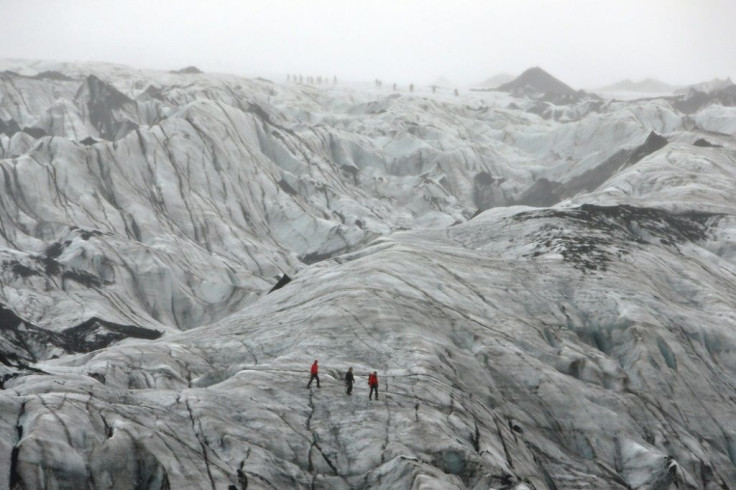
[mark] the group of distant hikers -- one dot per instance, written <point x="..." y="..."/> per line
<point x="349" y="380"/>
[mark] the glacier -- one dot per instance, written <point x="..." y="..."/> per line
<point x="545" y="287"/>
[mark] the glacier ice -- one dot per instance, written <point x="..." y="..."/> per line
<point x="546" y="289"/>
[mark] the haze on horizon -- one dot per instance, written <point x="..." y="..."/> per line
<point x="585" y="43"/>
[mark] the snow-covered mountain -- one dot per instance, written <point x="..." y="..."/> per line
<point x="537" y="83"/>
<point x="545" y="285"/>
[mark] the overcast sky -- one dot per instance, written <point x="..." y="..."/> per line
<point x="586" y="43"/>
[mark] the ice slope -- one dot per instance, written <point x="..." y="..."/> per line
<point x="580" y="348"/>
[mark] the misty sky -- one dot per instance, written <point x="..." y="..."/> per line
<point x="586" y="43"/>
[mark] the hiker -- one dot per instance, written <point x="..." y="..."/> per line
<point x="373" y="383"/>
<point x="314" y="371"/>
<point x="349" y="380"/>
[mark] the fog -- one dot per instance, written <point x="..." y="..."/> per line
<point x="586" y="43"/>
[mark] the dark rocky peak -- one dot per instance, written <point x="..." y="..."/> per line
<point x="11" y="127"/>
<point x="537" y="81"/>
<point x="24" y="341"/>
<point x="188" y="70"/>
<point x="703" y="143"/>
<point x="106" y="106"/>
<point x="97" y="333"/>
<point x="727" y="95"/>
<point x="8" y="318"/>
<point x="96" y="91"/>
<point x="545" y="193"/>
<point x="35" y="132"/>
<point x="692" y="102"/>
<point x="283" y="281"/>
<point x="654" y="142"/>
<point x="695" y="99"/>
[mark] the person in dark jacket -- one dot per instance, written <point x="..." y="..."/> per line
<point x="315" y="375"/>
<point x="349" y="380"/>
<point x="373" y="383"/>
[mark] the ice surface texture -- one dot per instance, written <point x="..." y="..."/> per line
<point x="546" y="290"/>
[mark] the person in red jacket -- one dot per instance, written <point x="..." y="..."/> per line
<point x="314" y="371"/>
<point x="373" y="383"/>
